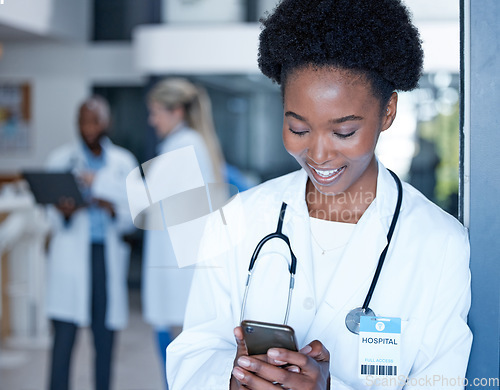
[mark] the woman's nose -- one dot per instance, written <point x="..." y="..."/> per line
<point x="321" y="150"/>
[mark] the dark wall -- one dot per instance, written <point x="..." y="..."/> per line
<point x="484" y="102"/>
<point x="114" y="20"/>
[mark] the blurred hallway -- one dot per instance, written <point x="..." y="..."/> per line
<point x="136" y="363"/>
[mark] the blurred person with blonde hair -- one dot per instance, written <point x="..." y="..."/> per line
<point x="180" y="112"/>
<point x="87" y="260"/>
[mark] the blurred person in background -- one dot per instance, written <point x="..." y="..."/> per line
<point x="87" y="260"/>
<point x="181" y="115"/>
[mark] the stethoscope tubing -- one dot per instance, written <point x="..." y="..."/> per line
<point x="291" y="268"/>
<point x="389" y="237"/>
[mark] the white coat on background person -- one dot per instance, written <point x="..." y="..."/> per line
<point x="180" y="113"/>
<point x="88" y="262"/>
<point x="166" y="286"/>
<point x="68" y="273"/>
<point x="427" y="286"/>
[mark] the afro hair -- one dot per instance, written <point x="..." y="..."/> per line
<point x="373" y="37"/>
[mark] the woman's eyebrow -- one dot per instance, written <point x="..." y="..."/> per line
<point x="296" y="116"/>
<point x="334" y="121"/>
<point x="346" y="119"/>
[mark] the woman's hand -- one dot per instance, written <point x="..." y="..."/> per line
<point x="309" y="369"/>
<point x="241" y="351"/>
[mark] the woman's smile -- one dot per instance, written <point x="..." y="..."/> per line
<point x="325" y="176"/>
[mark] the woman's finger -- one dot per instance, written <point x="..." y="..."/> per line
<point x="317" y="351"/>
<point x="249" y="380"/>
<point x="290" y="357"/>
<point x="293" y="369"/>
<point x="263" y="378"/>
<point x="240" y="342"/>
<point x="241" y="350"/>
<point x="307" y="360"/>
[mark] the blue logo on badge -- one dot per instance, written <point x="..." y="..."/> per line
<point x="380" y="324"/>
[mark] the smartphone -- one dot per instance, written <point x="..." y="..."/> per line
<point x="260" y="336"/>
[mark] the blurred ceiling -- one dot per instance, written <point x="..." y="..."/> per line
<point x="422" y="10"/>
<point x="433" y="10"/>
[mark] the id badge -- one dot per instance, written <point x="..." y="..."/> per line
<point x="379" y="346"/>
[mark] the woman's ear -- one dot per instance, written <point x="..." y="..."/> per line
<point x="389" y="113"/>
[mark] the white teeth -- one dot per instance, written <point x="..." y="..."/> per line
<point x="326" y="173"/>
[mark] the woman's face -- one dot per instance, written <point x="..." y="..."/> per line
<point x="162" y="119"/>
<point x="331" y="125"/>
<point x="91" y="129"/>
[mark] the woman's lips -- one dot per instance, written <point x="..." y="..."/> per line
<point x="326" y="176"/>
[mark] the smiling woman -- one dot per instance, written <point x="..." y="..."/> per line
<point x="340" y="64"/>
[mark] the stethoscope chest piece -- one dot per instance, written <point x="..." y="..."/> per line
<point x="353" y="318"/>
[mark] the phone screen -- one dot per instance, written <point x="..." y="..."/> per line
<point x="260" y="336"/>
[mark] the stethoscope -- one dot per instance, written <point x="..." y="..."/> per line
<point x="352" y="318"/>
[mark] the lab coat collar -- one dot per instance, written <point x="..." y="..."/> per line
<point x="387" y="194"/>
<point x="105" y="143"/>
<point x="295" y="194"/>
<point x="168" y="138"/>
<point x="80" y="151"/>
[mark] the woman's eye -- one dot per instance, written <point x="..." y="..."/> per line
<point x="340" y="135"/>
<point x="299" y="133"/>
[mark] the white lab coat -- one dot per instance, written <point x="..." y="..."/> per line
<point x="425" y="281"/>
<point x="165" y="286"/>
<point x="68" y="271"/>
